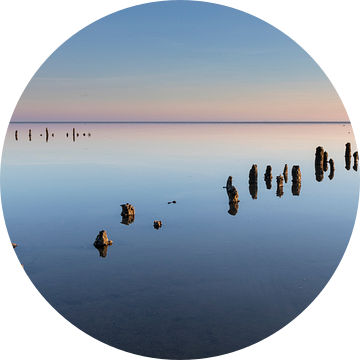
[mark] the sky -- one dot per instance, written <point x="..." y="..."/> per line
<point x="179" y="61"/>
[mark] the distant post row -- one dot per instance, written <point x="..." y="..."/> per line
<point x="74" y="134"/>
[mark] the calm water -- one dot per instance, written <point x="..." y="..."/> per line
<point x="207" y="282"/>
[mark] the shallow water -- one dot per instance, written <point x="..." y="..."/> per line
<point x="207" y="282"/>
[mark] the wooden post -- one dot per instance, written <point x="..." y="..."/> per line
<point x="332" y="169"/>
<point x="296" y="180"/>
<point x="356" y="160"/>
<point x="285" y="173"/>
<point x="347" y="156"/>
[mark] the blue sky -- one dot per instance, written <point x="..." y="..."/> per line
<point x="179" y="60"/>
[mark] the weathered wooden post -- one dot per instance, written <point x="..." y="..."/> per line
<point x="16" y="135"/>
<point x="325" y="161"/>
<point x="268" y="177"/>
<point x="253" y="178"/>
<point x="296" y="180"/>
<point x="280" y="186"/>
<point x="47" y="134"/>
<point x="332" y="169"/>
<point x="319" y="163"/>
<point x="356" y="160"/>
<point x="347" y="156"/>
<point x="285" y="173"/>
<point x="29" y="134"/>
<point x="233" y="196"/>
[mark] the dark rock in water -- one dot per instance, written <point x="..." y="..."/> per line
<point x="253" y="175"/>
<point x="157" y="224"/>
<point x="127" y="210"/>
<point x="356" y="160"/>
<point x="128" y="214"/>
<point x="172" y="202"/>
<point x="102" y="239"/>
<point x="231" y="191"/>
<point x="102" y="242"/>
<point x="285" y="173"/>
<point x="13" y="245"/>
<point x="332" y="169"/>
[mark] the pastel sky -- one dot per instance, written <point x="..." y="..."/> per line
<point x="179" y="61"/>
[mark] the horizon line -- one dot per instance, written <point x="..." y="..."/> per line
<point x="180" y="122"/>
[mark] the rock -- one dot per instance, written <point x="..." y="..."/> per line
<point x="231" y="191"/>
<point x="127" y="210"/>
<point x="233" y="208"/>
<point x="128" y="214"/>
<point x="157" y="224"/>
<point x="13" y="245"/>
<point x="319" y="172"/>
<point x="102" y="239"/>
<point x="253" y="175"/>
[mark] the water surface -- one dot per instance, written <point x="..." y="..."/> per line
<point x="207" y="282"/>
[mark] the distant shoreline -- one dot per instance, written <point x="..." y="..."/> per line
<point x="182" y="122"/>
